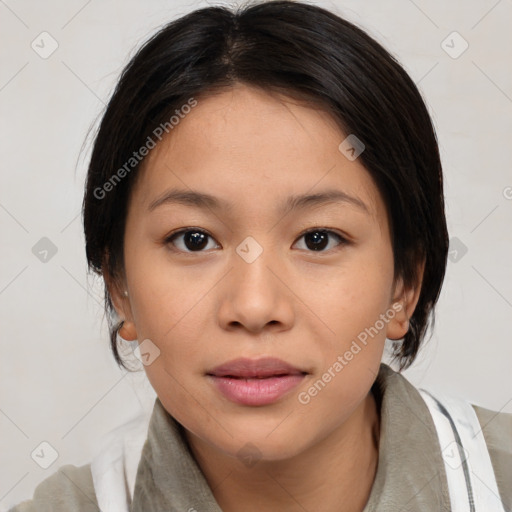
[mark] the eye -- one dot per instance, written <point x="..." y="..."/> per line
<point x="192" y="240"/>
<point x="317" y="239"/>
<point x="195" y="240"/>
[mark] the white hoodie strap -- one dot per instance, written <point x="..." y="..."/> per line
<point x="114" y="467"/>
<point x="471" y="479"/>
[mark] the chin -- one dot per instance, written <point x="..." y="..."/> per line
<point x="258" y="442"/>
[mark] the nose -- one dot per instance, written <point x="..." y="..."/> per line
<point x="255" y="296"/>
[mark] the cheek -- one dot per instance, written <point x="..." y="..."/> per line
<point x="353" y="309"/>
<point x="171" y="319"/>
<point x="351" y="297"/>
<point x="167" y="310"/>
<point x="160" y="295"/>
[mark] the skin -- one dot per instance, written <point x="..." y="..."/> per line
<point x="201" y="309"/>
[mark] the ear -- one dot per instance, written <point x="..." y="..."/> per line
<point x="404" y="303"/>
<point x="120" y="299"/>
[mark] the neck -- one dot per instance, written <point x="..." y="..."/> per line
<point x="334" y="475"/>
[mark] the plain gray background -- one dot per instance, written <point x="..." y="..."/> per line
<point x="58" y="380"/>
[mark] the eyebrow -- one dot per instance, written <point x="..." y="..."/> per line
<point x="296" y="202"/>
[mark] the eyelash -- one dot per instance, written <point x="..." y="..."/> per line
<point x="342" y="240"/>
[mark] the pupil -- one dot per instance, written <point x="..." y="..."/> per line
<point x="319" y="239"/>
<point x="195" y="240"/>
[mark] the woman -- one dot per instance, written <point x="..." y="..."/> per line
<point x="265" y="204"/>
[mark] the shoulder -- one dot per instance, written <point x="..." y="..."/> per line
<point x="497" y="431"/>
<point x="69" y="488"/>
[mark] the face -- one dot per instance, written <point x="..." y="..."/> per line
<point x="252" y="273"/>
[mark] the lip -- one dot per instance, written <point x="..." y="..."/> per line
<point x="255" y="382"/>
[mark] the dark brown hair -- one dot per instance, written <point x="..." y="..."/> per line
<point x="305" y="52"/>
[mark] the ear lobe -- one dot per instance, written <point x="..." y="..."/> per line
<point x="398" y="325"/>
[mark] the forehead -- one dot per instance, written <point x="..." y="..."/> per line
<point x="250" y="149"/>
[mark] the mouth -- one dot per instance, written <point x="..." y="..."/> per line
<point x="255" y="382"/>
